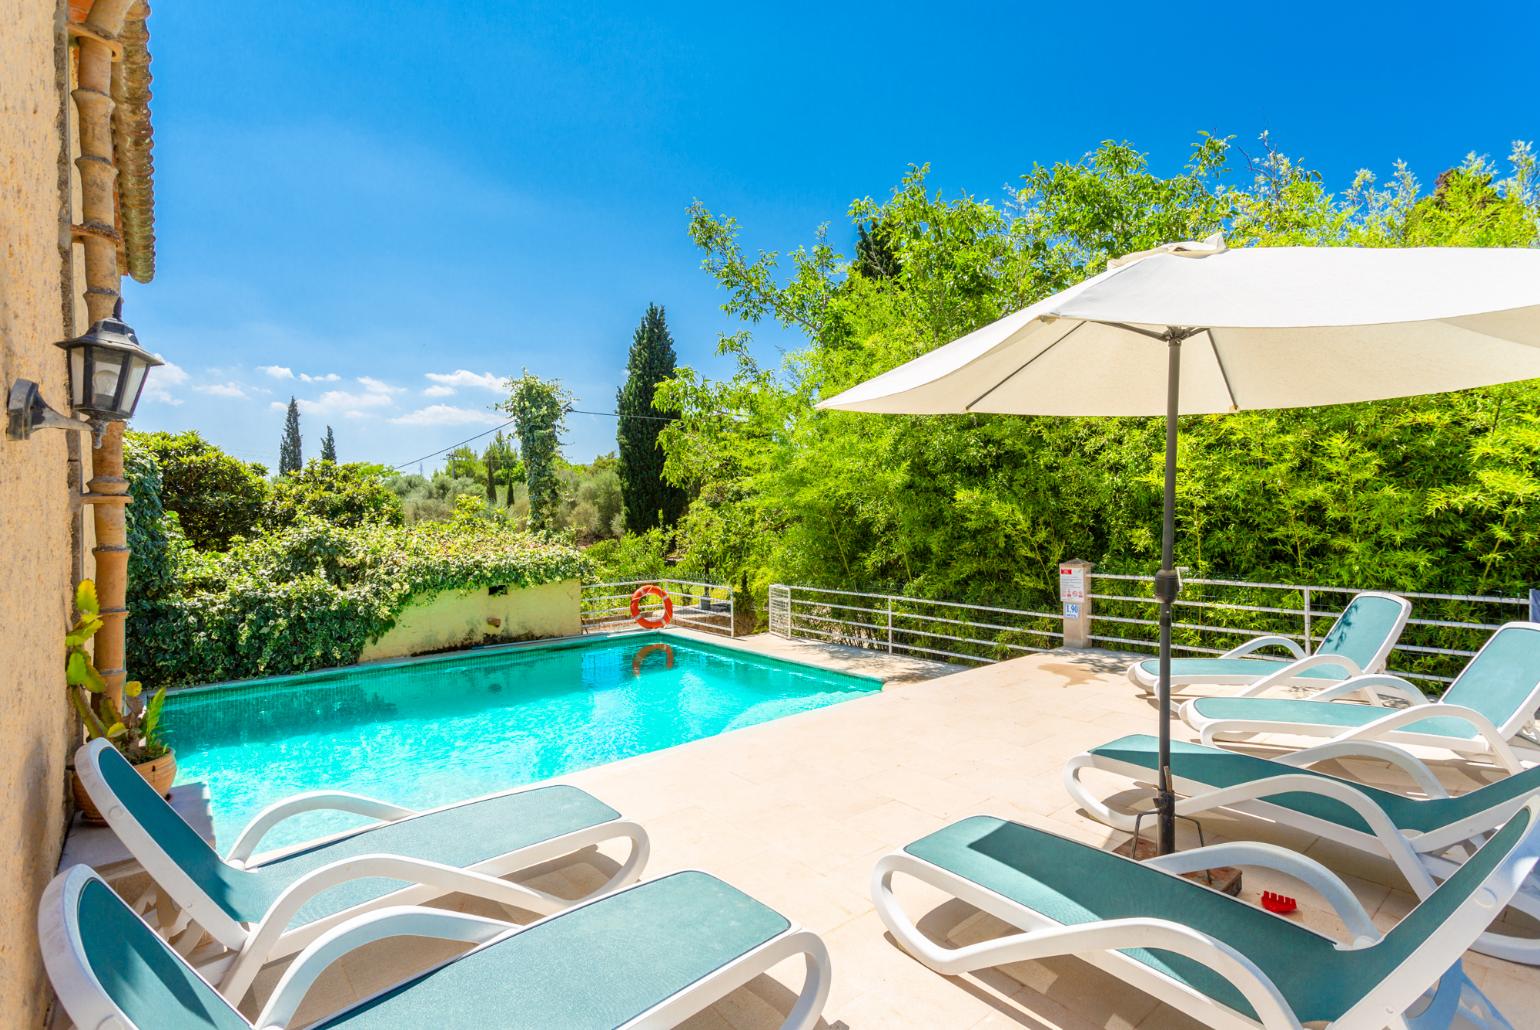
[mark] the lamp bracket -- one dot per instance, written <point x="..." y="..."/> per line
<point x="26" y="410"/>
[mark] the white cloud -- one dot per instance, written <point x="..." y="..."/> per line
<point x="353" y="403"/>
<point x="438" y="391"/>
<point x="450" y="381"/>
<point x="159" y="381"/>
<point x="284" y="372"/>
<point x="232" y="390"/>
<point x="448" y="415"/>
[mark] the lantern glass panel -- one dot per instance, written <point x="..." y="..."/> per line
<point x="77" y="376"/>
<point x="108" y="368"/>
<point x="135" y="383"/>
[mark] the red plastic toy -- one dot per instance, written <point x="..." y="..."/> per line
<point x="1279" y="903"/>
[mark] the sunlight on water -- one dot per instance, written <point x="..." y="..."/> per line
<point x="431" y="732"/>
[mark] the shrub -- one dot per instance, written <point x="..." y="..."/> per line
<point x="633" y="556"/>
<point x="312" y="594"/>
<point x="354" y="494"/>
<point x="216" y="496"/>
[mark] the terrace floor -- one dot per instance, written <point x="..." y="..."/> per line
<point x="797" y="810"/>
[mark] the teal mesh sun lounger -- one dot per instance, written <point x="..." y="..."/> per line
<point x="1219" y="959"/>
<point x="1490" y="704"/>
<point x="1359" y="642"/>
<point x="1427" y="838"/>
<point x="263" y="907"/>
<point x="650" y="955"/>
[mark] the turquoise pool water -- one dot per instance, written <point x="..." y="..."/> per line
<point x="429" y="732"/>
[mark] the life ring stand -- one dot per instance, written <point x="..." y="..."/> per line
<point x="652" y="621"/>
<point x="641" y="656"/>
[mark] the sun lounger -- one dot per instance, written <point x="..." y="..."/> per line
<point x="263" y="907"/>
<point x="1490" y="704"/>
<point x="1359" y="642"/>
<point x="1220" y="960"/>
<point x="651" y="955"/>
<point x="1427" y="838"/>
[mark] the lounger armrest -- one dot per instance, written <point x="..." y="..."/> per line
<point x="1291" y="672"/>
<point x="1379" y="685"/>
<point x="397" y="921"/>
<point x="1269" y="856"/>
<point x="449" y="879"/>
<point x="312" y="801"/>
<point x="1501" y="750"/>
<point x="1377" y="750"/>
<point x="1257" y="643"/>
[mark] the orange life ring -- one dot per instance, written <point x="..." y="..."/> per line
<point x="641" y="656"/>
<point x="652" y="621"/>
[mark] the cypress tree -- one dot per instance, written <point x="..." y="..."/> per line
<point x="329" y="447"/>
<point x="290" y="456"/>
<point x="648" y="501"/>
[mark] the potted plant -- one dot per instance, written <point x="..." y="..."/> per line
<point x="133" y="730"/>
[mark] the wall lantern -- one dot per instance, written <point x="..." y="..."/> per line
<point x="107" y="373"/>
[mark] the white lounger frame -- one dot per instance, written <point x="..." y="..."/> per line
<point x="1431" y="980"/>
<point x="251" y="946"/>
<point x="1492" y="742"/>
<point x="89" y="1005"/>
<point x="1286" y="674"/>
<point x="1423" y="859"/>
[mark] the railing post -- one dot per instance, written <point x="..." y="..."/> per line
<point x="732" y="612"/>
<point x="890" y="625"/>
<point x="1309" y="644"/>
<point x="1075" y="595"/>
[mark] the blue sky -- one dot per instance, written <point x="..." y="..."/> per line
<point x="383" y="209"/>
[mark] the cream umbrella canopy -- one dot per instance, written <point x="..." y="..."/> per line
<point x="1198" y="328"/>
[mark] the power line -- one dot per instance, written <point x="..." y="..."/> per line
<point x="616" y="414"/>
<point x="505" y="425"/>
<point x="462" y="443"/>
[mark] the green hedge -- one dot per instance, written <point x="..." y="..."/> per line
<point x="308" y="596"/>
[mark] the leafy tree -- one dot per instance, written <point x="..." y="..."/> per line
<point x="354" y="494"/>
<point x="500" y="454"/>
<point x="463" y="463"/>
<point x="215" y="496"/>
<point x="1439" y="493"/>
<point x="539" y="409"/>
<point x="875" y="257"/>
<point x="649" y="501"/>
<point x="329" y="446"/>
<point x="290" y="451"/>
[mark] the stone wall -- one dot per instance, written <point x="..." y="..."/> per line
<point x="460" y="618"/>
<point x="35" y="495"/>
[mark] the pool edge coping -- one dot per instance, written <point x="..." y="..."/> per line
<point x="552" y="643"/>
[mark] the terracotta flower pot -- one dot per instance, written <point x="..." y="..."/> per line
<point x="158" y="772"/>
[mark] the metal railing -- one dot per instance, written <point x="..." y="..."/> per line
<point x="1212" y="616"/>
<point x="606" y="607"/>
<point x="1443" y="632"/>
<point x="911" y="625"/>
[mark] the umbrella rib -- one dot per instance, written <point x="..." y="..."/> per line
<point x="1213" y="345"/>
<point x="1023" y="368"/>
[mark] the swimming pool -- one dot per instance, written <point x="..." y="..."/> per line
<point x="431" y="731"/>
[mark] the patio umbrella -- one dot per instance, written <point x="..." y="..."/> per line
<point x="1198" y="328"/>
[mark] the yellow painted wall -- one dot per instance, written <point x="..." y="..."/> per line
<point x="459" y="618"/>
<point x="34" y="497"/>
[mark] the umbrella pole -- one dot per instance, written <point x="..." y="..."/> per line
<point x="1166" y="586"/>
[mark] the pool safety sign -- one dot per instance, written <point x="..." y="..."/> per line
<point x="1071" y="585"/>
<point x="1071" y="610"/>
